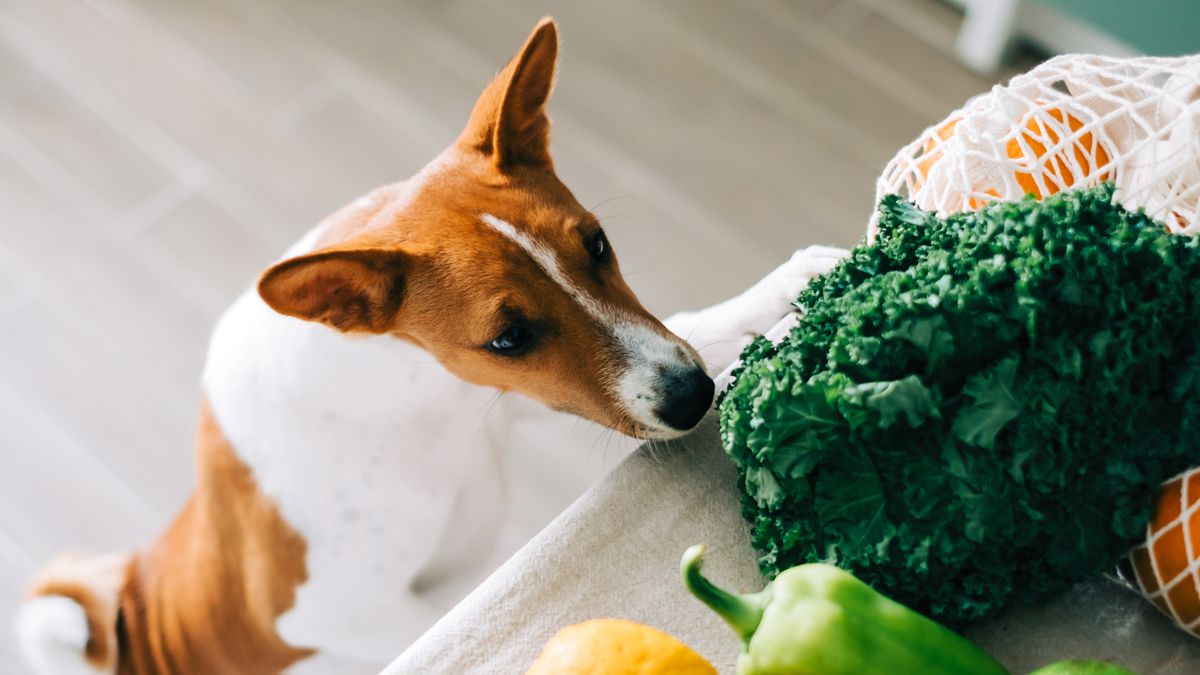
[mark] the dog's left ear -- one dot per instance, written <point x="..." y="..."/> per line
<point x="509" y="122"/>
<point x="350" y="290"/>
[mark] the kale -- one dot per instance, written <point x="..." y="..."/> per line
<point x="974" y="412"/>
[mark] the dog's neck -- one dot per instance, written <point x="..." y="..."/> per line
<point x="283" y="370"/>
<point x="356" y="439"/>
<point x="278" y="366"/>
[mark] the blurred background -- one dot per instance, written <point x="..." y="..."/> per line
<point x="156" y="154"/>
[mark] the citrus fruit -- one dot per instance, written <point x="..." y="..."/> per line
<point x="617" y="647"/>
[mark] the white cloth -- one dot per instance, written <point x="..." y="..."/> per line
<point x="615" y="553"/>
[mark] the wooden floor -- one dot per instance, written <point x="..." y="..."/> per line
<point x="156" y="154"/>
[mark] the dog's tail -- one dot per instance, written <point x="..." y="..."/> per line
<point x="68" y="623"/>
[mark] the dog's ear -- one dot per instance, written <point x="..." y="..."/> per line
<point x="509" y="122"/>
<point x="351" y="290"/>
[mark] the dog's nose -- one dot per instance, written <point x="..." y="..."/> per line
<point x="687" y="395"/>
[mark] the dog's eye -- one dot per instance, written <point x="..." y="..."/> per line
<point x="514" y="341"/>
<point x="598" y="247"/>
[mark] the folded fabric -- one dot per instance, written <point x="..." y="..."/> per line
<point x="615" y="553"/>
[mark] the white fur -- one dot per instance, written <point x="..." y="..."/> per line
<point x="646" y="350"/>
<point x="722" y="331"/>
<point x="413" y="186"/>
<point x="548" y="262"/>
<point x="384" y="462"/>
<point x="52" y="632"/>
<point x="373" y="453"/>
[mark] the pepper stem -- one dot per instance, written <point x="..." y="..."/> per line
<point x="742" y="612"/>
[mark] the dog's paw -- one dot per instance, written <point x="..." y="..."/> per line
<point x="766" y="308"/>
<point x="722" y="331"/>
<point x="770" y="300"/>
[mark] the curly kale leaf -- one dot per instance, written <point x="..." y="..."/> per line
<point x="992" y="405"/>
<point x="974" y="412"/>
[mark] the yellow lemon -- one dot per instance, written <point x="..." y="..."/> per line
<point x="617" y="647"/>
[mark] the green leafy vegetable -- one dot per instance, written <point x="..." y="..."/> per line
<point x="992" y="405"/>
<point x="975" y="411"/>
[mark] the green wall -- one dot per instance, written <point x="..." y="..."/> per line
<point x="1156" y="27"/>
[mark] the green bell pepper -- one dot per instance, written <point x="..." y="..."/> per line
<point x="1082" y="668"/>
<point x="817" y="619"/>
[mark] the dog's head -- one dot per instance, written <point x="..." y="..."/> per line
<point x="487" y="261"/>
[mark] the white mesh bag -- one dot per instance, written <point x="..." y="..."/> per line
<point x="1166" y="566"/>
<point x="1074" y="121"/>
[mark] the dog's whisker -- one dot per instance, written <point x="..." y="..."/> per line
<point x="607" y="220"/>
<point x="612" y="199"/>
<point x="612" y="430"/>
<point x="641" y="270"/>
<point x="608" y="435"/>
<point x="652" y="450"/>
<point x="691" y="332"/>
<point x="714" y="343"/>
<point x="483" y="410"/>
<point x="601" y="433"/>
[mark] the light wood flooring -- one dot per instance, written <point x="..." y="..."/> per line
<point x="156" y="154"/>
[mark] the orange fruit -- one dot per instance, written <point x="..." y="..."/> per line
<point x="617" y="647"/>
<point x="1161" y="567"/>
<point x="1028" y="150"/>
<point x="931" y="153"/>
<point x="1056" y="170"/>
<point x="931" y="150"/>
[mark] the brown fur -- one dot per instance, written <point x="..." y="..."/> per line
<point x="509" y="124"/>
<point x="205" y="598"/>
<point x="462" y="282"/>
<point x="101" y="612"/>
<point x="424" y="268"/>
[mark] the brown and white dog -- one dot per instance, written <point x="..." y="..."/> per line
<point x="339" y="486"/>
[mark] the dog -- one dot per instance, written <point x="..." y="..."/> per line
<point x="341" y="501"/>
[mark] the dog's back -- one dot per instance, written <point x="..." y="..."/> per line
<point x="343" y="482"/>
